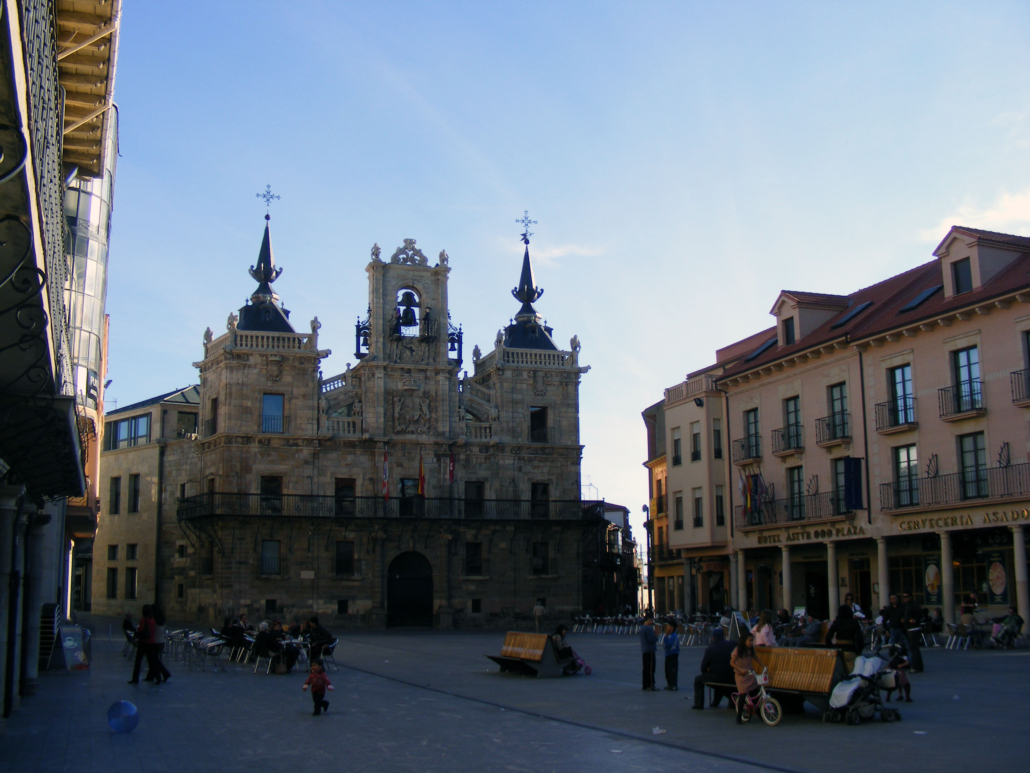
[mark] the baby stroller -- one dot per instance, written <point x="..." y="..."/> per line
<point x="857" y="697"/>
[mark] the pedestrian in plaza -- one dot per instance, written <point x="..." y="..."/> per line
<point x="144" y="644"/>
<point x="319" y="638"/>
<point x="156" y="670"/>
<point x="318" y="681"/>
<point x="715" y="669"/>
<point x="538" y="613"/>
<point x="849" y="599"/>
<point x="846" y="633"/>
<point x="1009" y="627"/>
<point x="912" y="617"/>
<point x="894" y="621"/>
<point x="744" y="661"/>
<point x="671" y="645"/>
<point x="648" y="648"/>
<point x="764" y="636"/>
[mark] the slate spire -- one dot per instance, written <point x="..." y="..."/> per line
<point x="265" y="272"/>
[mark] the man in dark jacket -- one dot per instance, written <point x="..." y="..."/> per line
<point x="715" y="668"/>
<point x="894" y="622"/>
<point x="912" y="618"/>
<point x="319" y="638"/>
<point x="648" y="648"/>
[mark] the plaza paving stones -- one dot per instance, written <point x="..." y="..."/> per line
<point x="417" y="700"/>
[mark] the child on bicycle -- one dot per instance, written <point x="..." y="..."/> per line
<point x="743" y="661"/>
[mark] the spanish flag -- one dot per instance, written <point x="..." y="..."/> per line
<point x="421" y="476"/>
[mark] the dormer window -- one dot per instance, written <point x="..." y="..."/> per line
<point x="788" y="331"/>
<point x="962" y="276"/>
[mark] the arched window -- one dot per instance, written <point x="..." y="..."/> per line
<point x="408" y="314"/>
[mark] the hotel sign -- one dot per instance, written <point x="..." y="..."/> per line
<point x="963" y="520"/>
<point x="808" y="535"/>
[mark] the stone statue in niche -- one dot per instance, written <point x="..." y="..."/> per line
<point x="357" y="408"/>
<point x="409" y="255"/>
<point x="375" y="253"/>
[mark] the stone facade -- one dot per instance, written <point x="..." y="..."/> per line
<point x="398" y="491"/>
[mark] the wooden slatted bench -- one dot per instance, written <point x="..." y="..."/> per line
<point x="530" y="654"/>
<point x="798" y="674"/>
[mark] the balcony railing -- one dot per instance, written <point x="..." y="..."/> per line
<point x="747" y="449"/>
<point x="1020" y="385"/>
<point x="777" y="512"/>
<point x="442" y="508"/>
<point x="273" y="424"/>
<point x="965" y="397"/>
<point x="788" y="439"/>
<point x="677" y="460"/>
<point x="699" y="521"/>
<point x="835" y="428"/>
<point x="897" y="413"/>
<point x="695" y="455"/>
<point x="343" y="426"/>
<point x="981" y="483"/>
<point x="541" y="435"/>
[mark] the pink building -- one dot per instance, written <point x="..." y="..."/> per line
<point x="878" y="442"/>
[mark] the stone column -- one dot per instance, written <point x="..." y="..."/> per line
<point x="947" y="578"/>
<point x="1022" y="589"/>
<point x="741" y="581"/>
<point x="788" y="596"/>
<point x="831" y="575"/>
<point x="9" y="496"/>
<point x="733" y="579"/>
<point x="882" y="573"/>
<point x="35" y="553"/>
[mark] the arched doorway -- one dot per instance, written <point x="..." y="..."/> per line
<point x="409" y="591"/>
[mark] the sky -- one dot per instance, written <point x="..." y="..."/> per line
<point x="685" y="162"/>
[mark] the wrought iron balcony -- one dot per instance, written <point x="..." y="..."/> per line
<point x="747" y="449"/>
<point x="699" y="521"/>
<point x="779" y="512"/>
<point x="962" y="400"/>
<point x="984" y="483"/>
<point x="443" y="508"/>
<point x="833" y="429"/>
<point x="1020" y="386"/>
<point x="896" y="415"/>
<point x="677" y="460"/>
<point x="695" y="455"/>
<point x="788" y="439"/>
<point x="274" y="424"/>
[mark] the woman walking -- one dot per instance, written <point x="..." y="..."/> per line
<point x="156" y="670"/>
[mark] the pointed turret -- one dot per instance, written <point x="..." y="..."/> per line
<point x="264" y="312"/>
<point x="527" y="291"/>
<point x="528" y="331"/>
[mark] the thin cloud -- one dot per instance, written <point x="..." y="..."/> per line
<point x="551" y="256"/>
<point x="1010" y="213"/>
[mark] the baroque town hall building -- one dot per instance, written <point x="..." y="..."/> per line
<point x="397" y="492"/>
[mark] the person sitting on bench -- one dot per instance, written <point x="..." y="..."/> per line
<point x="715" y="669"/>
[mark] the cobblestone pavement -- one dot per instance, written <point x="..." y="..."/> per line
<point x="429" y="701"/>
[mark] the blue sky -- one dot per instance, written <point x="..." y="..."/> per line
<point x="685" y="162"/>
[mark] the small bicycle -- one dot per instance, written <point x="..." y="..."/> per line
<point x="763" y="704"/>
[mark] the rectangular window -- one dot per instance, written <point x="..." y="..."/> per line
<point x="270" y="556"/>
<point x="677" y="448"/>
<point x="112" y="583"/>
<point x="271" y="495"/>
<point x="211" y="424"/>
<point x="838" y="425"/>
<point x="720" y="517"/>
<point x="130" y="582"/>
<point x="788" y="331"/>
<point x="537" y="424"/>
<point x="207" y="560"/>
<point x="796" y="490"/>
<point x="541" y="558"/>
<point x="717" y="438"/>
<point x="474" y="498"/>
<point x="345" y="491"/>
<point x="699" y="512"/>
<point x="662" y="547"/>
<point x="968" y="394"/>
<point x="269" y="606"/>
<point x="678" y="522"/>
<point x="695" y="441"/>
<point x="343" y="606"/>
<point x="839" y="502"/>
<point x="540" y="500"/>
<point x="185" y="424"/>
<point x="112" y="552"/>
<point x="412" y="504"/>
<point x="344" y="559"/>
<point x="126" y="433"/>
<point x="180" y="551"/>
<point x="180" y="591"/>
<point x="792" y="414"/>
<point x="272" y="419"/>
<point x="133" y="503"/>
<point x="660" y="498"/>
<point x="131" y="550"/>
<point x="962" y="276"/>
<point x="902" y="405"/>
<point x="906" y="474"/>
<point x="477" y="606"/>
<point x="182" y="491"/>
<point x="473" y="559"/>
<point x="974" y="465"/>
<point x="114" y="501"/>
<point x="753" y="433"/>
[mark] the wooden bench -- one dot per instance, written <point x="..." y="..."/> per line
<point x="530" y="654"/>
<point x="798" y="674"/>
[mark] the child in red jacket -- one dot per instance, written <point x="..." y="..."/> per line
<point x="319" y="682"/>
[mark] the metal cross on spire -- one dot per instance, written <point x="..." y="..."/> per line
<point x="269" y="197"/>
<point x="525" y="222"/>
